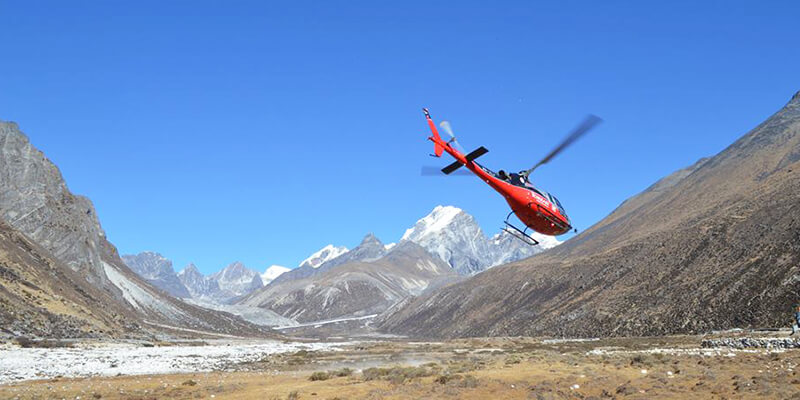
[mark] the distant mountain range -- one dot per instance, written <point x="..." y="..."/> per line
<point x="221" y="287"/>
<point x="447" y="237"/>
<point x="369" y="279"/>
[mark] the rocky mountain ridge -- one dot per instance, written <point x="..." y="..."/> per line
<point x="199" y="285"/>
<point x="237" y="280"/>
<point x="157" y="270"/>
<point x="35" y="201"/>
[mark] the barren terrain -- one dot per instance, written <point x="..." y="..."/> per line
<point x="508" y="368"/>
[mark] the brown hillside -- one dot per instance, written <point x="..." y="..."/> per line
<point x="714" y="246"/>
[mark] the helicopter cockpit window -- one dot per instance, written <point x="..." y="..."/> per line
<point x="558" y="204"/>
<point x="544" y="194"/>
<point x="516" y="179"/>
<point x="530" y="187"/>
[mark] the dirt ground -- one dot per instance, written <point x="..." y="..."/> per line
<point x="672" y="367"/>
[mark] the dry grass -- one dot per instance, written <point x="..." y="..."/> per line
<point x="521" y="371"/>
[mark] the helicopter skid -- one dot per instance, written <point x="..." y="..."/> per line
<point x="519" y="234"/>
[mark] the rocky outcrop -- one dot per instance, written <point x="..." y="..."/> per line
<point x="35" y="201"/>
<point x="752" y="343"/>
<point x="198" y="285"/>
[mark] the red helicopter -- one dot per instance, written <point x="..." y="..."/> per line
<point x="537" y="209"/>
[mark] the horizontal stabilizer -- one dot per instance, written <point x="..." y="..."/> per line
<point x="452" y="167"/>
<point x="430" y="170"/>
<point x="476" y="153"/>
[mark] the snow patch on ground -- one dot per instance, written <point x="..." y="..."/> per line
<point x="567" y="340"/>
<point x="18" y="364"/>
<point x="330" y="321"/>
<point x="696" y="351"/>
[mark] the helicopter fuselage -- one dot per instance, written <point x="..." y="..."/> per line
<point x="532" y="207"/>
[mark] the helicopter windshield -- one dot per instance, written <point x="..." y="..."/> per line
<point x="558" y="204"/>
<point x="550" y="198"/>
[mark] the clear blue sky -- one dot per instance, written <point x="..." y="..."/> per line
<point x="261" y="131"/>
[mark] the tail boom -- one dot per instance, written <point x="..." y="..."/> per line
<point x="438" y="144"/>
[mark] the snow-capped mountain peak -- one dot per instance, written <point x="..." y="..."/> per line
<point x="272" y="272"/>
<point x="456" y="238"/>
<point x="326" y="253"/>
<point x="438" y="219"/>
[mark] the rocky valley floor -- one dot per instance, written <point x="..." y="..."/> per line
<point x="725" y="365"/>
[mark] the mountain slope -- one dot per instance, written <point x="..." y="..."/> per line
<point x="356" y="288"/>
<point x="39" y="296"/>
<point x="714" y="246"/>
<point x="156" y="270"/>
<point x="35" y="201"/>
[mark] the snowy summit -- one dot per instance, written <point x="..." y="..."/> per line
<point x="456" y="238"/>
<point x="327" y="253"/>
<point x="272" y="272"/>
<point x="436" y="221"/>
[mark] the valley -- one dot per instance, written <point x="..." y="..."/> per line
<point x="276" y="200"/>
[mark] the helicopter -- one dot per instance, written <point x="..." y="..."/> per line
<point x="537" y="209"/>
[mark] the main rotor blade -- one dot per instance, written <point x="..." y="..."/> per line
<point x="429" y="170"/>
<point x="588" y="123"/>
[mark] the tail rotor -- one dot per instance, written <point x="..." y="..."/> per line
<point x="448" y="129"/>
